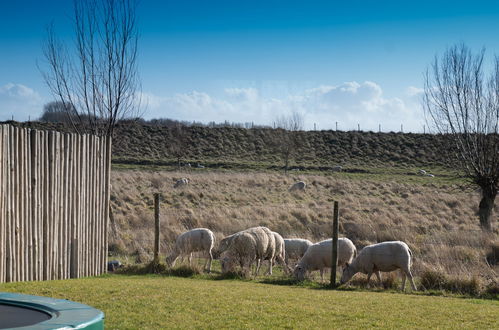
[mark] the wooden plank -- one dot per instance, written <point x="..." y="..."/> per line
<point x="3" y="211"/>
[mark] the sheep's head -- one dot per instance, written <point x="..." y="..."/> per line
<point x="299" y="272"/>
<point x="227" y="264"/>
<point x="348" y="273"/>
<point x="170" y="260"/>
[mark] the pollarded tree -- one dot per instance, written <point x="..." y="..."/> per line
<point x="287" y="138"/>
<point x="462" y="102"/>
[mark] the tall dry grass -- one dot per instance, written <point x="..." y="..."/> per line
<point x="438" y="222"/>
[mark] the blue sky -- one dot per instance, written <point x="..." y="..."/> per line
<point x="349" y="61"/>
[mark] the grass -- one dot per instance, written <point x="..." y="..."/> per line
<point x="159" y="302"/>
<point x="437" y="220"/>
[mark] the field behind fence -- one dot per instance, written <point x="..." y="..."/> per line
<point x="54" y="204"/>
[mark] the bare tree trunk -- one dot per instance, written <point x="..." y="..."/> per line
<point x="485" y="209"/>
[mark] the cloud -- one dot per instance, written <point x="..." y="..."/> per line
<point x="349" y="104"/>
<point x="19" y="101"/>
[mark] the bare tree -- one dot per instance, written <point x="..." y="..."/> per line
<point x="462" y="102"/>
<point x="288" y="139"/>
<point x="98" y="80"/>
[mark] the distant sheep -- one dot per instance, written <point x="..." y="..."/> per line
<point x="296" y="248"/>
<point x="319" y="257"/>
<point x="422" y="172"/>
<point x="239" y="248"/>
<point x="381" y="257"/>
<point x="180" y="183"/>
<point x="195" y="240"/>
<point x="300" y="185"/>
<point x="430" y="175"/>
<point x="337" y="168"/>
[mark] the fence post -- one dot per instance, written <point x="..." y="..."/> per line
<point x="156" y="228"/>
<point x="334" y="261"/>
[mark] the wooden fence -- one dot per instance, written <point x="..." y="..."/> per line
<point x="54" y="204"/>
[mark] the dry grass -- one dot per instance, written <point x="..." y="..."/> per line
<point x="438" y="222"/>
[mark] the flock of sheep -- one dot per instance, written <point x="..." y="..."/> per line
<point x="259" y="244"/>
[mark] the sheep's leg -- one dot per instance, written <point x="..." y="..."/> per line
<point x="321" y="271"/>
<point x="190" y="259"/>
<point x="210" y="259"/>
<point x="270" y="267"/>
<point x="369" y="278"/>
<point x="257" y="267"/>
<point x="378" y="275"/>
<point x="413" y="285"/>
<point x="404" y="277"/>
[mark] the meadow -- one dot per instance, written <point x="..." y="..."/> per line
<point x="435" y="216"/>
<point x="160" y="302"/>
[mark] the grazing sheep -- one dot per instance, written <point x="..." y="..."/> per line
<point x="422" y="172"/>
<point x="319" y="257"/>
<point x="430" y="175"/>
<point x="300" y="185"/>
<point x="243" y="249"/>
<point x="296" y="248"/>
<point x="236" y="248"/>
<point x="199" y="239"/>
<point x="337" y="168"/>
<point x="180" y="183"/>
<point x="384" y="257"/>
<point x="280" y="252"/>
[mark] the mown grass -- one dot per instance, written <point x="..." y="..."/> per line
<point x="159" y="302"/>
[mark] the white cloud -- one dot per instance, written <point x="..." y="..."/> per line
<point x="349" y="104"/>
<point x="19" y="101"/>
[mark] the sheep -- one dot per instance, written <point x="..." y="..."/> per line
<point x="199" y="239"/>
<point x="384" y="257"/>
<point x="296" y="248"/>
<point x="181" y="182"/>
<point x="429" y="175"/>
<point x="243" y="249"/>
<point x="263" y="248"/>
<point x="280" y="251"/>
<point x="337" y="168"/>
<point x="319" y="257"/>
<point x="422" y="172"/>
<point x="300" y="185"/>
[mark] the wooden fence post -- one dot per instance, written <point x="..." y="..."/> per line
<point x="334" y="261"/>
<point x="156" y="228"/>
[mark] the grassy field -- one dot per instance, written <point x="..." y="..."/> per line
<point x="157" y="302"/>
<point x="437" y="218"/>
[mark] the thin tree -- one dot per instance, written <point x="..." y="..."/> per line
<point x="97" y="80"/>
<point x="288" y="139"/>
<point x="462" y="103"/>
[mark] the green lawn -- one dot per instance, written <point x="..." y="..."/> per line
<point x="138" y="302"/>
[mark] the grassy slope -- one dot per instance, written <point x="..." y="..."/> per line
<point x="239" y="148"/>
<point x="133" y="302"/>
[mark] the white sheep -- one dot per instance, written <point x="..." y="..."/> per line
<point x="422" y="172"/>
<point x="381" y="257"/>
<point x="300" y="185"/>
<point x="243" y="250"/>
<point x="195" y="240"/>
<point x="319" y="257"/>
<point x="237" y="248"/>
<point x="337" y="168"/>
<point x="181" y="182"/>
<point x="296" y="248"/>
<point x="280" y="252"/>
